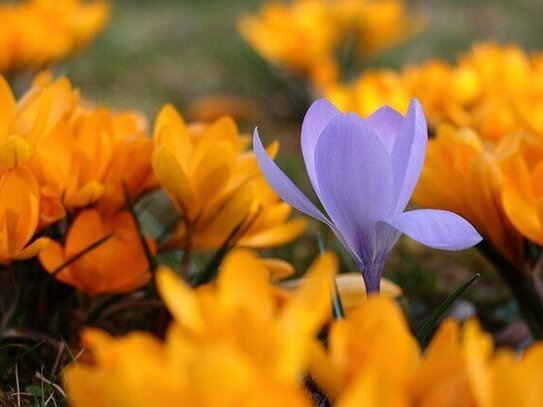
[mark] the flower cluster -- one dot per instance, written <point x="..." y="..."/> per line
<point x="373" y="360"/>
<point x="60" y="155"/>
<point x="216" y="186"/>
<point x="483" y="111"/>
<point x="37" y="33"/>
<point x="104" y="300"/>
<point x="306" y="36"/>
<point x="231" y="342"/>
<point x="62" y="158"/>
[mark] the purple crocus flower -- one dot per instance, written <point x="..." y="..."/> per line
<point x="364" y="173"/>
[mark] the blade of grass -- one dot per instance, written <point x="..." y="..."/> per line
<point x="211" y="269"/>
<point x="73" y="259"/>
<point x="424" y="332"/>
<point x="151" y="259"/>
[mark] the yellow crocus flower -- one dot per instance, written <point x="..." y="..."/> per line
<point x="229" y="344"/>
<point x="215" y="185"/>
<point x="463" y="175"/>
<point x="306" y="36"/>
<point x="287" y="34"/>
<point x="371" y="91"/>
<point x="495" y="89"/>
<point x="522" y="194"/>
<point x="37" y="33"/>
<point x="28" y="121"/>
<point x="373" y="360"/>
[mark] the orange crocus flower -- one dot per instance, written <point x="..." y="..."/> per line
<point x="19" y="216"/>
<point x="463" y="175"/>
<point x="116" y="265"/>
<point x="522" y="194"/>
<point x="37" y="33"/>
<point x="27" y="122"/>
<point x="210" y="356"/>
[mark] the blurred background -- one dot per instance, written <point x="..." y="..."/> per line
<point x="188" y="52"/>
<point x="179" y="50"/>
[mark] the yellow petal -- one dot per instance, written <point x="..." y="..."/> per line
<point x="244" y="283"/>
<point x="275" y="235"/>
<point x="522" y="213"/>
<point x="173" y="178"/>
<point x="305" y="313"/>
<point x="86" y="195"/>
<point x="8" y="107"/>
<point x="278" y="269"/>
<point x="32" y="249"/>
<point x="170" y="131"/>
<point x="352" y="289"/>
<point x="14" y="151"/>
<point x="224" y="129"/>
<point x="213" y="171"/>
<point x="180" y="300"/>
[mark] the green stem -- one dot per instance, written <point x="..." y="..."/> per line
<point x="521" y="286"/>
<point x="151" y="258"/>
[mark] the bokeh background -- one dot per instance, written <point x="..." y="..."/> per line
<point x="186" y="52"/>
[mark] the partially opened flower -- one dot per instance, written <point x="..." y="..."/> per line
<point x="364" y="172"/>
<point x="99" y="255"/>
<point x="215" y="185"/>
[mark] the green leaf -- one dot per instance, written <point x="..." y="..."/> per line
<point x="77" y="256"/>
<point x="151" y="259"/>
<point x="424" y="332"/>
<point x="212" y="268"/>
<point x="338" y="312"/>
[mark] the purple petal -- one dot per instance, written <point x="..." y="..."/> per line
<point x="436" y="228"/>
<point x="408" y="154"/>
<point x="355" y="180"/>
<point x="386" y="123"/>
<point x="317" y="117"/>
<point x="282" y="185"/>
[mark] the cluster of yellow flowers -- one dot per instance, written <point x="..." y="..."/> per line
<point x="36" y="33"/>
<point x="216" y="185"/>
<point x="485" y="112"/>
<point x="67" y="155"/>
<point x="237" y="341"/>
<point x="61" y="157"/>
<point x="306" y="36"/>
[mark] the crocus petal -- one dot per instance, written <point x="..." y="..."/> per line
<point x="320" y="113"/>
<point x="180" y="300"/>
<point x="282" y="185"/>
<point x="408" y="154"/>
<point x="8" y="107"/>
<point x="32" y="249"/>
<point x="14" y="151"/>
<point x="386" y="123"/>
<point x="355" y="180"/>
<point x="88" y="194"/>
<point x="436" y="228"/>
